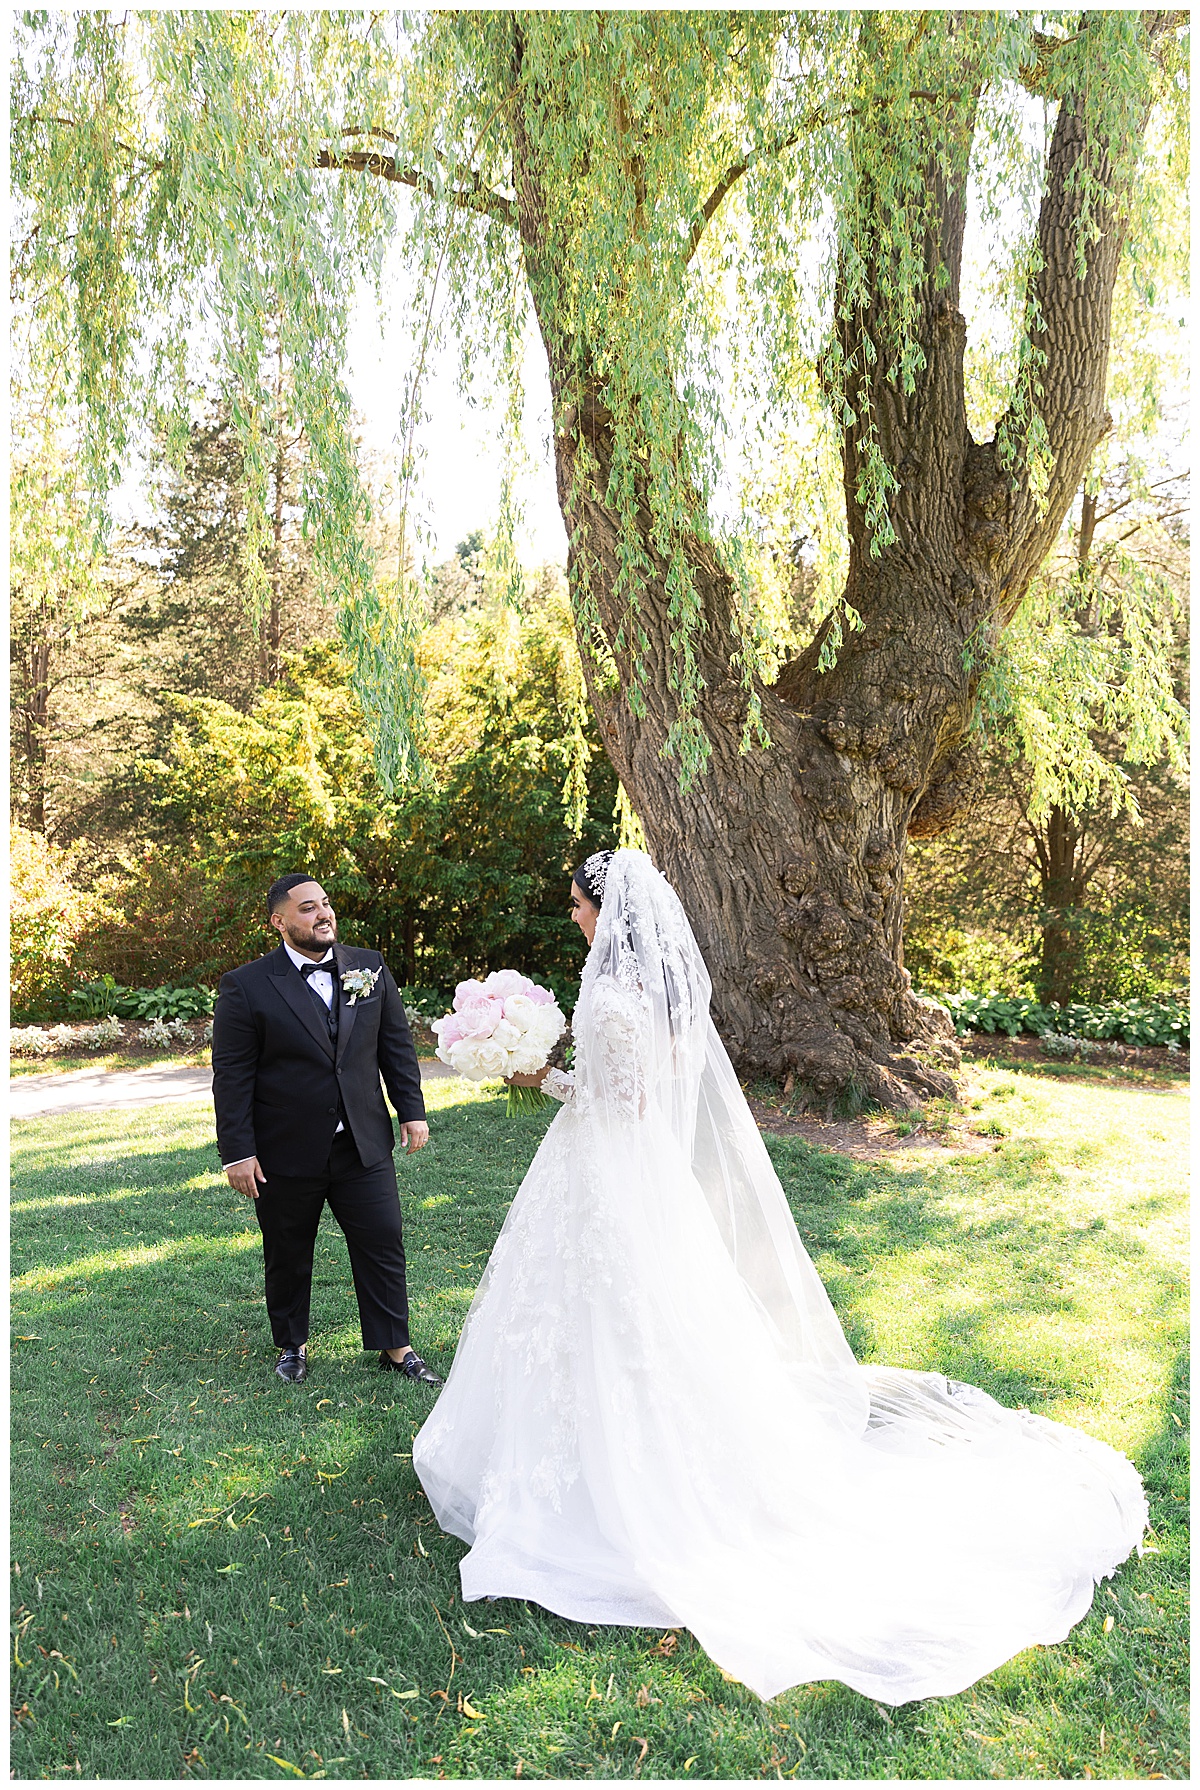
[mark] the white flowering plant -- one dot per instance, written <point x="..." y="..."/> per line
<point x="504" y="1025"/>
<point x="162" y="1032"/>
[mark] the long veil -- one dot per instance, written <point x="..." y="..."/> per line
<point x="645" y="945"/>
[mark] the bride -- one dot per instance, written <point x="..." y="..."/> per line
<point x="654" y="1418"/>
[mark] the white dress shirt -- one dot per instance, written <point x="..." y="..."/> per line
<point x="322" y="982"/>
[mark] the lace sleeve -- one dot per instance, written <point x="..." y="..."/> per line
<point x="614" y="1073"/>
<point x="560" y="1085"/>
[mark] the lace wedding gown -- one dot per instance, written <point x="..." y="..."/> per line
<point x="653" y="1416"/>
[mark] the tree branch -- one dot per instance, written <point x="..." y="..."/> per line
<point x="1125" y="502"/>
<point x="475" y="196"/>
<point x="734" y="173"/>
<point x="1080" y="218"/>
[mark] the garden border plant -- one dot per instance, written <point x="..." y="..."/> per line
<point x="1165" y="1021"/>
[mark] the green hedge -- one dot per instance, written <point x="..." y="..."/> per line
<point x="1165" y="1021"/>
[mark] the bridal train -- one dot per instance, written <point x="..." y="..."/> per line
<point x="654" y="1418"/>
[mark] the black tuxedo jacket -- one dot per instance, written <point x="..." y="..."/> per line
<point x="277" y="1076"/>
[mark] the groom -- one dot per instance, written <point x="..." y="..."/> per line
<point x="300" y="1040"/>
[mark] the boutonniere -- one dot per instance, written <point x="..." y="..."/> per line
<point x="358" y="983"/>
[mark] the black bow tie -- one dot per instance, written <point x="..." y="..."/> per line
<point x="327" y="965"/>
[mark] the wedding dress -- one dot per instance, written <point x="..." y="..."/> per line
<point x="654" y="1418"/>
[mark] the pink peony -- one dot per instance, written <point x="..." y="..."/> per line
<point x="541" y="997"/>
<point x="480" y="1017"/>
<point x="468" y="991"/>
<point x="505" y="982"/>
<point x="449" y="1030"/>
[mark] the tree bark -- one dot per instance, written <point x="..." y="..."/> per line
<point x="1059" y="852"/>
<point x="790" y="861"/>
<point x="1060" y="848"/>
<point x="35" y="728"/>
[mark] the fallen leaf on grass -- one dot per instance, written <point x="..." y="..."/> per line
<point x="1108" y="1625"/>
<point x="644" y="1744"/>
<point x="287" y="1764"/>
<point x="403" y="1695"/>
<point x="468" y="1708"/>
<point x="688" y="1763"/>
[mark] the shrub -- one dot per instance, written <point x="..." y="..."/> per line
<point x="134" y="939"/>
<point x="96" y="1000"/>
<point x="29" y="1041"/>
<point x="163" y="1032"/>
<point x="1165" y="1021"/>
<point x="166" y="1002"/>
<point x="103" y="1035"/>
<point x="45" y="918"/>
<point x="1062" y="1044"/>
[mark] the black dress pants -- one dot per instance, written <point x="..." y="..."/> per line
<point x="366" y="1204"/>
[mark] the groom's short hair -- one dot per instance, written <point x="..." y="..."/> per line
<point x="282" y="887"/>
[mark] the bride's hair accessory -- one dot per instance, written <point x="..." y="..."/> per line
<point x="591" y="876"/>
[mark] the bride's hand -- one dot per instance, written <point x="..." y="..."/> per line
<point x="525" y="1081"/>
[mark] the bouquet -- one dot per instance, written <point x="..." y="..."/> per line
<point x="504" y="1025"/>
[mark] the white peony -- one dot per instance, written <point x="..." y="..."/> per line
<point x="479" y="1059"/>
<point x="547" y="1028"/>
<point x="525" y="1061"/>
<point x="519" y="1010"/>
<point x="506" y="1035"/>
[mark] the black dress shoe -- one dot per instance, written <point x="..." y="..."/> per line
<point x="292" y="1363"/>
<point x="412" y="1367"/>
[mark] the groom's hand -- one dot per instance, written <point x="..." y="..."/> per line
<point x="414" y="1134"/>
<point x="244" y="1175"/>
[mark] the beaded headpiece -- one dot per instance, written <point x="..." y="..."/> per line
<point x="595" y="871"/>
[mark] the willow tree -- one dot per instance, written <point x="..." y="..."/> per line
<point x="701" y="212"/>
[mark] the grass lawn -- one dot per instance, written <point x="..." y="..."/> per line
<point x="217" y="1575"/>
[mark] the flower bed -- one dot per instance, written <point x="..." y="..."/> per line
<point x="1164" y="1022"/>
<point x="109" y="1034"/>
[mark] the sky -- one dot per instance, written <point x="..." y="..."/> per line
<point x="460" y="465"/>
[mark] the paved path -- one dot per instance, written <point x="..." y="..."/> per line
<point x="91" y="1090"/>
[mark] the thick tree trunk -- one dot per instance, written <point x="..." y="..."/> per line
<point x="790" y="861"/>
<point x="1060" y="854"/>
<point x="1060" y="849"/>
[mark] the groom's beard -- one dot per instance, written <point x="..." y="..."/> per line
<point x="317" y="937"/>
